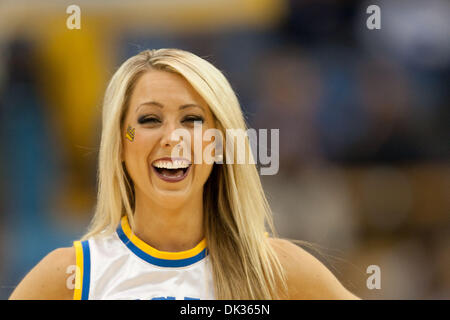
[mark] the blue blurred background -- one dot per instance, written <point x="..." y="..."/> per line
<point x="363" y="118"/>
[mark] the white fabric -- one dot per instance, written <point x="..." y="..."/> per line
<point x="116" y="272"/>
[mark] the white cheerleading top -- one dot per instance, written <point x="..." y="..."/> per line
<point x="122" y="266"/>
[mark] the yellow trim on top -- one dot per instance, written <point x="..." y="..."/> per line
<point x="78" y="270"/>
<point x="157" y="253"/>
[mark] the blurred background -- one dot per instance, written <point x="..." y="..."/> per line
<point x="363" y="118"/>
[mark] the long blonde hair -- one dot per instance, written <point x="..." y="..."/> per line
<point x="244" y="265"/>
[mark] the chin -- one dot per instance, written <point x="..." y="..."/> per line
<point x="171" y="199"/>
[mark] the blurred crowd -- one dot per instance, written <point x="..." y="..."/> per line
<point x="363" y="117"/>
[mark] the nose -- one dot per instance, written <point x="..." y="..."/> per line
<point x="175" y="136"/>
<point x="169" y="140"/>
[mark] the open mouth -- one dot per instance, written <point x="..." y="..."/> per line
<point x="171" y="170"/>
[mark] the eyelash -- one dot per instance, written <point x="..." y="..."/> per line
<point x="144" y="119"/>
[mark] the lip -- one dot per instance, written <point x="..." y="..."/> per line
<point x="171" y="179"/>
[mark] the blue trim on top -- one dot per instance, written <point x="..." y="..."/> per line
<point x="86" y="270"/>
<point x="158" y="261"/>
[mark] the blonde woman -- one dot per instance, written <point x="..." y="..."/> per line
<point x="167" y="228"/>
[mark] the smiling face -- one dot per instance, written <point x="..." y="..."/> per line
<point x="160" y="103"/>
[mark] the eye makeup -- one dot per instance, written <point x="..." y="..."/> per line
<point x="151" y="119"/>
<point x="192" y="119"/>
<point x="148" y="119"/>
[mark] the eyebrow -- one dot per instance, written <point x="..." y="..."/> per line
<point x="160" y="105"/>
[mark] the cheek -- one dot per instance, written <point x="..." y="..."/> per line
<point x="205" y="147"/>
<point x="202" y="172"/>
<point x="208" y="153"/>
<point x="138" y="150"/>
<point x="202" y="169"/>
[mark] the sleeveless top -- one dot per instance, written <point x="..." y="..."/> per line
<point x="122" y="266"/>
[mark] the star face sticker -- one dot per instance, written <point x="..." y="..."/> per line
<point x="130" y="133"/>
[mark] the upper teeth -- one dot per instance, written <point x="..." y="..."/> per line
<point x="176" y="164"/>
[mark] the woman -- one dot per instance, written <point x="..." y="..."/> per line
<point x="167" y="228"/>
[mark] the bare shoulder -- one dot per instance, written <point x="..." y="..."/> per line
<point x="307" y="277"/>
<point x="48" y="279"/>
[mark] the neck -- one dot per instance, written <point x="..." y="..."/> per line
<point x="169" y="229"/>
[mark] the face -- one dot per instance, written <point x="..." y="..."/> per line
<point x="161" y="103"/>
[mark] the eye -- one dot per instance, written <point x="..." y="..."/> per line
<point x="147" y="119"/>
<point x="192" y="119"/>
